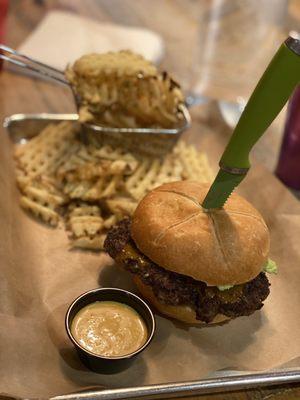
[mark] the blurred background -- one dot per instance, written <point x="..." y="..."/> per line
<point x="216" y="49"/>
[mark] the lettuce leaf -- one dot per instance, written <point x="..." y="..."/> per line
<point x="224" y="287"/>
<point x="270" y="267"/>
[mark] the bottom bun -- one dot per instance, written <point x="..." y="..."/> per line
<point x="181" y="313"/>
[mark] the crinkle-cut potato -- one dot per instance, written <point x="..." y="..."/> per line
<point x="90" y="187"/>
<point x="86" y="225"/>
<point x="39" y="210"/>
<point x="122" y="89"/>
<point x="89" y="243"/>
<point x="192" y="162"/>
<point x="103" y="187"/>
<point x="121" y="206"/>
<point x="122" y="63"/>
<point x="85" y="220"/>
<point x="48" y="150"/>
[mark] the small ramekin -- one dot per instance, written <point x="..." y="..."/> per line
<point x="105" y="364"/>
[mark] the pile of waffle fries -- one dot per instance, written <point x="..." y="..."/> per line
<point x="122" y="89"/>
<point x="89" y="187"/>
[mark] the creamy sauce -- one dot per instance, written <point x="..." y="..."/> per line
<point x="108" y="328"/>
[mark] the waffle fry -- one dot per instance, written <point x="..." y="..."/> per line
<point x="91" y="187"/>
<point x="45" y="152"/>
<point x="110" y="221"/>
<point x="90" y="191"/>
<point x="45" y="213"/>
<point x="95" y="243"/>
<point x="184" y="162"/>
<point x="194" y="164"/>
<point x="121" y="206"/>
<point x="41" y="197"/>
<point x="93" y="164"/>
<point x="144" y="177"/>
<point x="86" y="225"/>
<point x="85" y="220"/>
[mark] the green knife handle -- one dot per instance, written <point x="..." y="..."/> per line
<point x="268" y="98"/>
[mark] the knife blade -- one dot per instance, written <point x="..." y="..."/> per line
<point x="221" y="189"/>
<point x="270" y="95"/>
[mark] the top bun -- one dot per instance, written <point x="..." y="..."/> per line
<point x="225" y="246"/>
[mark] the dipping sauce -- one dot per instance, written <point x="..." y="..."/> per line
<point x="109" y="328"/>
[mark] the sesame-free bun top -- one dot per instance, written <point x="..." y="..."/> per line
<point x="227" y="246"/>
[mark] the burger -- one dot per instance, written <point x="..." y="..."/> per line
<point x="193" y="264"/>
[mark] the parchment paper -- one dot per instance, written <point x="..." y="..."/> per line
<point x="40" y="277"/>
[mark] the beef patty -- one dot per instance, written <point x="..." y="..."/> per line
<point x="176" y="289"/>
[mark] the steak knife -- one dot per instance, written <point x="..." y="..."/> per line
<point x="270" y="95"/>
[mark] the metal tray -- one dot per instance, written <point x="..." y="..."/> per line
<point x="20" y="127"/>
<point x="193" y="388"/>
<point x="24" y="126"/>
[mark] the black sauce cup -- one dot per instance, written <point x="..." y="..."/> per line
<point x="104" y="364"/>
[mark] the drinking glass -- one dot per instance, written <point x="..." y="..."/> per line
<point x="3" y="13"/>
<point x="288" y="167"/>
<point x="224" y="46"/>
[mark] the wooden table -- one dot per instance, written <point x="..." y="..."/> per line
<point x="178" y="22"/>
